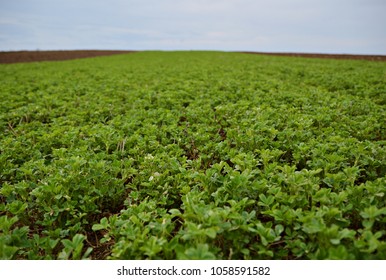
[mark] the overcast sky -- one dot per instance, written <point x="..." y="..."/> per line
<point x="325" y="26"/>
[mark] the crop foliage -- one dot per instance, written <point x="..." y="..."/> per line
<point x="193" y="155"/>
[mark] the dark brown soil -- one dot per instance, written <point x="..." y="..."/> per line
<point x="31" y="56"/>
<point x="330" y="56"/>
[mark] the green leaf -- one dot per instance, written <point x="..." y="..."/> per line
<point x="17" y="207"/>
<point x="314" y="225"/>
<point x="104" y="224"/>
<point x="6" y="224"/>
<point x="211" y="232"/>
<point x="7" y="252"/>
<point x="335" y="241"/>
<point x="175" y="212"/>
<point x="373" y="212"/>
<point x="199" y="252"/>
<point x="279" y="229"/>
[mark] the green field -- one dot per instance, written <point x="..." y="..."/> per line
<point x="193" y="155"/>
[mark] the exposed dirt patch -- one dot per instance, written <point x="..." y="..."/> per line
<point x="32" y="56"/>
<point x="330" y="56"/>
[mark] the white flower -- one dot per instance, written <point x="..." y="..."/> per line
<point x="149" y="156"/>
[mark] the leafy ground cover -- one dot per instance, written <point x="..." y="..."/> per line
<point x="193" y="155"/>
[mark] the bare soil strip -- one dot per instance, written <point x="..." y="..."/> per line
<point x="32" y="56"/>
<point x="330" y="56"/>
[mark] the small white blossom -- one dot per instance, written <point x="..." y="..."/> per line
<point x="149" y="156"/>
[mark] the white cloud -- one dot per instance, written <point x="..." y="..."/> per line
<point x="277" y="25"/>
